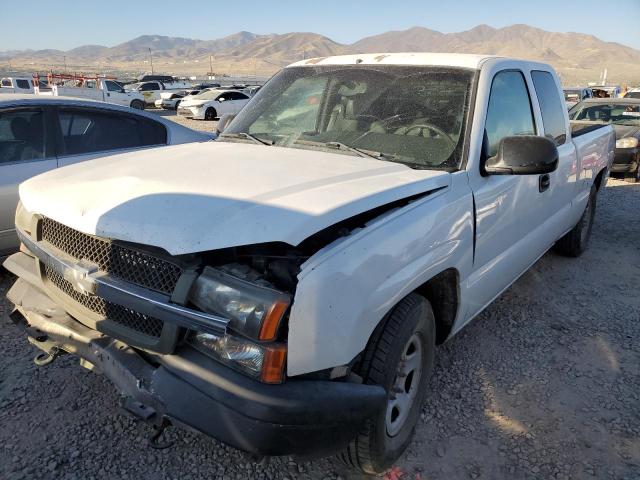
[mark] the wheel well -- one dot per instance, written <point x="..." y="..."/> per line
<point x="599" y="177"/>
<point x="443" y="295"/>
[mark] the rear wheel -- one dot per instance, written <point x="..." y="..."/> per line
<point x="399" y="357"/>
<point x="575" y="242"/>
<point x="210" y="114"/>
<point x="137" y="104"/>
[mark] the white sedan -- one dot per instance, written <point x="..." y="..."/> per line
<point x="212" y="104"/>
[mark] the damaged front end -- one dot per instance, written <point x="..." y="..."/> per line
<point x="199" y="340"/>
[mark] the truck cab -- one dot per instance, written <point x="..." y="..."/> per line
<point x="16" y="85"/>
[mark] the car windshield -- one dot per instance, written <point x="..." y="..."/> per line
<point x="207" y="95"/>
<point x="616" y="113"/>
<point x="407" y="114"/>
<point x="572" y="95"/>
<point x="632" y="94"/>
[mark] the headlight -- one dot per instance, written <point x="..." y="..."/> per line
<point x="630" y="142"/>
<point x="253" y="310"/>
<point x="23" y="218"/>
<point x="264" y="363"/>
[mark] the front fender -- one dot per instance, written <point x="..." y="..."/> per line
<point x="347" y="288"/>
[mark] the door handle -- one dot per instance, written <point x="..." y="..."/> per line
<point x="544" y="181"/>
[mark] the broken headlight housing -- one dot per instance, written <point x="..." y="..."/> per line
<point x="253" y="310"/>
<point x="260" y="361"/>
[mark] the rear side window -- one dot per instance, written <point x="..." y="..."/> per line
<point x="22" y="136"/>
<point x="509" y="112"/>
<point x="24" y="84"/>
<point x="6" y="82"/>
<point x="148" y="87"/>
<point x="551" y="107"/>
<point x="87" y="131"/>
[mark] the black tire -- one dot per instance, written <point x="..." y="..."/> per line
<point x="575" y="242"/>
<point x="137" y="104"/>
<point x="375" y="450"/>
<point x="177" y="105"/>
<point x="210" y="114"/>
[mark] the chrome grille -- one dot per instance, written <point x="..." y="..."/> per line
<point x="122" y="262"/>
<point x="124" y="317"/>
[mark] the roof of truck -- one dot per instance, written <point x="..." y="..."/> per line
<point x="410" y="58"/>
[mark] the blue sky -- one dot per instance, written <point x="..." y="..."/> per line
<point x="63" y="25"/>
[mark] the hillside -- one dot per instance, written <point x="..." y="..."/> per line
<point x="578" y="57"/>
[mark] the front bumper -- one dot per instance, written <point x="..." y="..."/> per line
<point x="626" y="160"/>
<point x="299" y="417"/>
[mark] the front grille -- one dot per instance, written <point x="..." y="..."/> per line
<point x="124" y="317"/>
<point x="118" y="261"/>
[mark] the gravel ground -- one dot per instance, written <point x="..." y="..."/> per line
<point x="544" y="384"/>
<point x="203" y="125"/>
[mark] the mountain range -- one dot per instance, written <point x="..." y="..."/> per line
<point x="578" y="57"/>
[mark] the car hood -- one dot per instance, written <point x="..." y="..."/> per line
<point x="199" y="197"/>
<point x="188" y="102"/>
<point x="624" y="131"/>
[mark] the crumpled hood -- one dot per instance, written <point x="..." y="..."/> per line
<point x="197" y="197"/>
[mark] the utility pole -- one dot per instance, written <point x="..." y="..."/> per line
<point x="65" y="64"/>
<point x="151" y="58"/>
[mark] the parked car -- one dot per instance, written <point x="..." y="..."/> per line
<point x="211" y="104"/>
<point x="102" y="90"/>
<point x="574" y="95"/>
<point x="39" y="133"/>
<point x="632" y="93"/>
<point x="170" y="100"/>
<point x="151" y="90"/>
<point x="286" y="291"/>
<point x="606" y="91"/>
<point x="624" y="115"/>
<point x="16" y="85"/>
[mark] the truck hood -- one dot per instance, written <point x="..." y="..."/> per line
<point x="198" y="197"/>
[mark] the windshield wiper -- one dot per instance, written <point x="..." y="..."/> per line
<point x="247" y="136"/>
<point x="361" y="152"/>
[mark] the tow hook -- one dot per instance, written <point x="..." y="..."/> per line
<point x="45" y="358"/>
<point x="154" y="439"/>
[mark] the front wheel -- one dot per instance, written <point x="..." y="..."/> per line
<point x="137" y="104"/>
<point x="210" y="114"/>
<point x="399" y="357"/>
<point x="575" y="242"/>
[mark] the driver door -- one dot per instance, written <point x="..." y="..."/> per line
<point x="510" y="210"/>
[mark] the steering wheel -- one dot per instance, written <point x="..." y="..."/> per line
<point x="427" y="126"/>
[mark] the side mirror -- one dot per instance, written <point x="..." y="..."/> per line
<point x="224" y="122"/>
<point x="221" y="99"/>
<point x="523" y="155"/>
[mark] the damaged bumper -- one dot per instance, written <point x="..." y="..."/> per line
<point x="299" y="417"/>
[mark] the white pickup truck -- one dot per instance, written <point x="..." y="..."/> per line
<point x="284" y="288"/>
<point x="151" y="90"/>
<point x="16" y="85"/>
<point x="102" y="90"/>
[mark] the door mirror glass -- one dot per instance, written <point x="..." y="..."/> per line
<point x="221" y="99"/>
<point x="523" y="155"/>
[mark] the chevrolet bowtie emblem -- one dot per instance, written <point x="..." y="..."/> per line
<point x="80" y="276"/>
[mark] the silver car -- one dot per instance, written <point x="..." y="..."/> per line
<point x="40" y="133"/>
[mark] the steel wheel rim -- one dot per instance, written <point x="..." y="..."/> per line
<point x="405" y="386"/>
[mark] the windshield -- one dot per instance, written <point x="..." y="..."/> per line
<point x="407" y="114"/>
<point x="616" y="113"/>
<point x="633" y="94"/>
<point x="572" y="95"/>
<point x="207" y="95"/>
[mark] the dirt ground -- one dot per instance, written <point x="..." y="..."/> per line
<point x="545" y="384"/>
